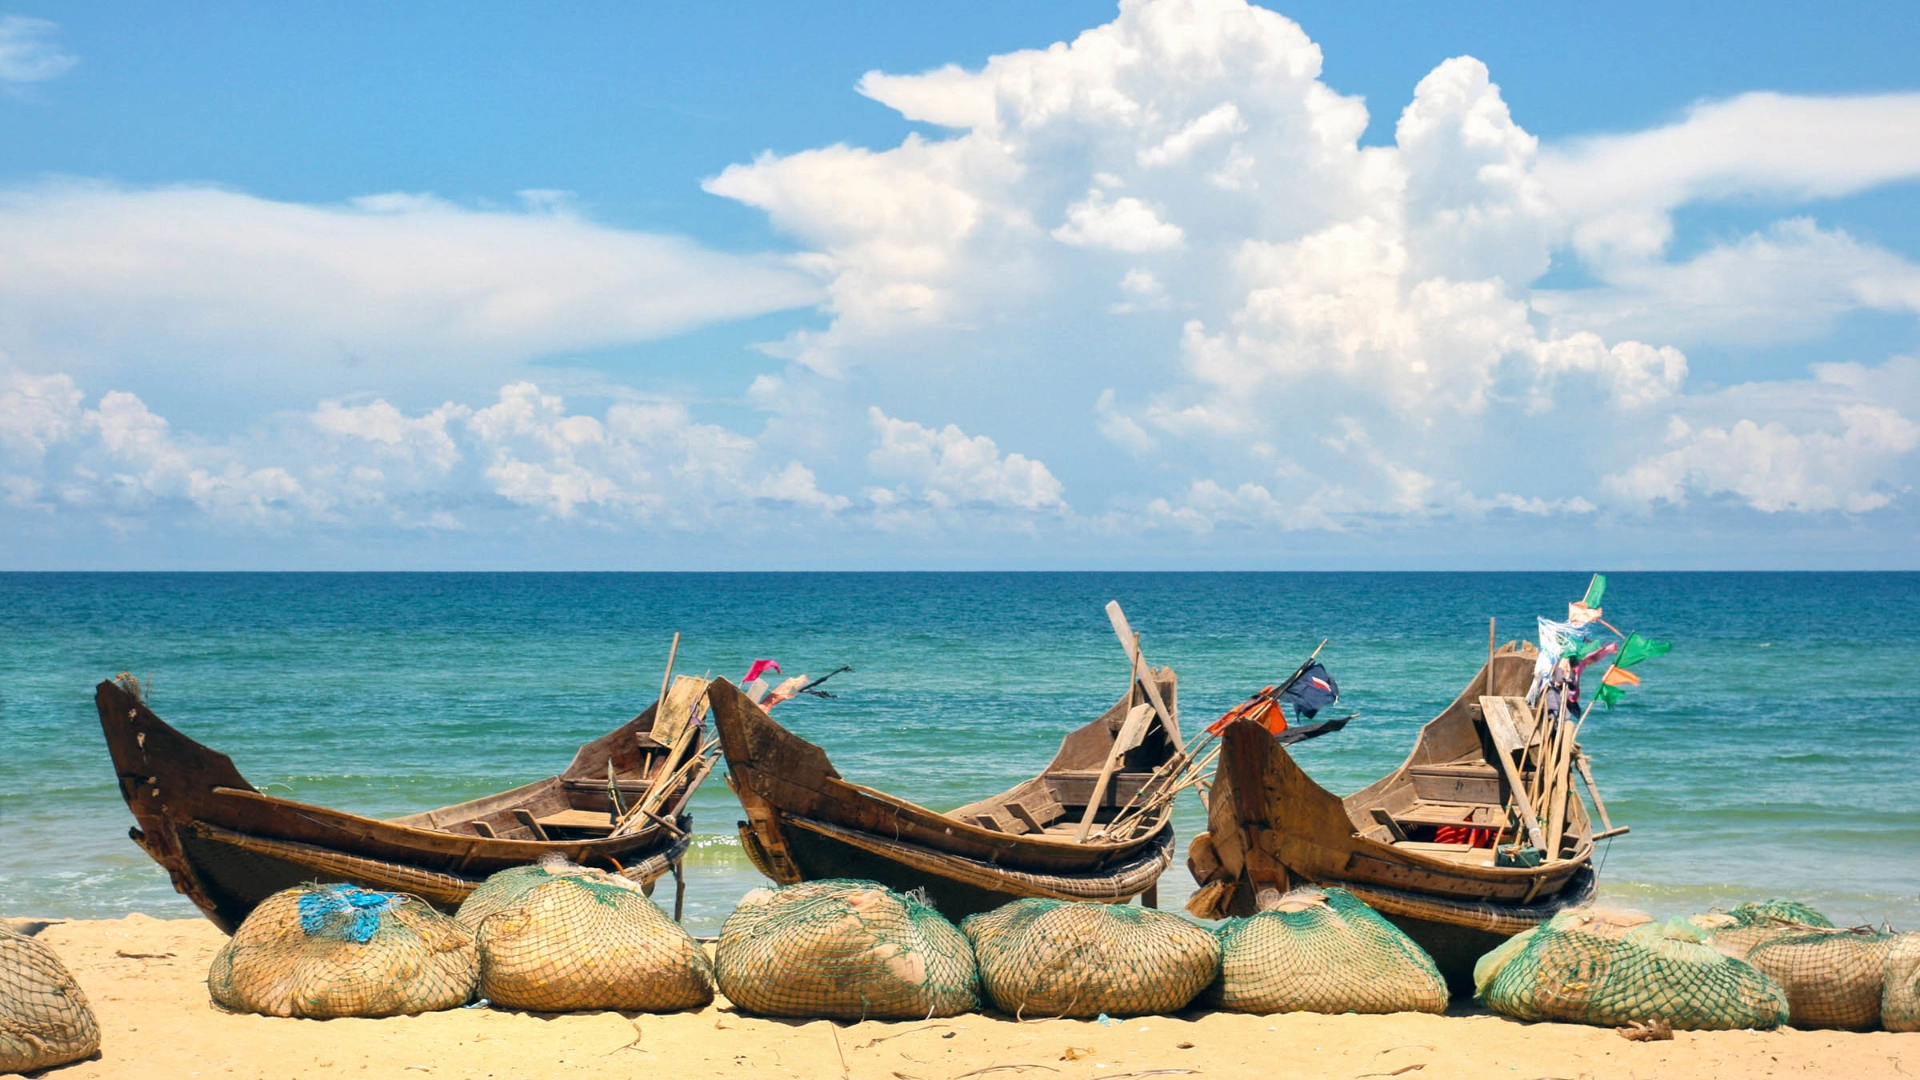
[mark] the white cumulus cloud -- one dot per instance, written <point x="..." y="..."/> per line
<point x="947" y="468"/>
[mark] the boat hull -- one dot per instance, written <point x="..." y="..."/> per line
<point x="955" y="886"/>
<point x="804" y="822"/>
<point x="227" y="846"/>
<point x="1270" y="827"/>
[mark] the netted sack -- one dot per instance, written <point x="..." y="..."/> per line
<point x="1061" y="958"/>
<point x="844" y="950"/>
<point x="1618" y="967"/>
<point x="563" y="938"/>
<point x="1900" y="999"/>
<point x="1744" y="928"/>
<point x="1833" y="978"/>
<point x="334" y="950"/>
<point x="44" y="1018"/>
<point x="1323" y="951"/>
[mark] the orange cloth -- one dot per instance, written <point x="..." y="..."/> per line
<point x="1260" y="708"/>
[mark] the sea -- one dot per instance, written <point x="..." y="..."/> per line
<point x="1774" y="752"/>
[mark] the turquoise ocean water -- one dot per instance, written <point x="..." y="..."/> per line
<point x="1776" y="751"/>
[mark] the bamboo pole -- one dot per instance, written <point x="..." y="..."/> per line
<point x="658" y="793"/>
<point x="1586" y="774"/>
<point x="1490" y="640"/>
<point x="666" y="680"/>
<point x="1557" y="791"/>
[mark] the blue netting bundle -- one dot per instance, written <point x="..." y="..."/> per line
<point x="343" y="912"/>
<point x="334" y="950"/>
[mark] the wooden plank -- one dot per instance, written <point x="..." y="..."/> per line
<point x="1044" y="808"/>
<point x="1385" y="821"/>
<point x="1456" y="783"/>
<point x="1150" y="684"/>
<point x="676" y="709"/>
<point x="1506" y="741"/>
<point x="1020" y="811"/>
<point x="1133" y="729"/>
<point x="525" y="818"/>
<point x="576" y="819"/>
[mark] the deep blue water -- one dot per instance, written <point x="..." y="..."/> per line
<point x="1776" y="751"/>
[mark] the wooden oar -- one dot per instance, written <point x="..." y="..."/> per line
<point x="1506" y="740"/>
<point x="1130" y="642"/>
<point x="1133" y="730"/>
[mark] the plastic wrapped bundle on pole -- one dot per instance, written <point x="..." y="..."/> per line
<point x="1327" y="952"/>
<point x="564" y="938"/>
<point x="1045" y="958"/>
<point x="44" y="1018"/>
<point x="840" y="949"/>
<point x="323" y="951"/>
<point x="1612" y="968"/>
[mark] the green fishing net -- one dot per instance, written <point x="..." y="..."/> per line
<point x="1741" y="929"/>
<point x="1900" y="997"/>
<point x="1044" y="958"/>
<point x="1833" y="978"/>
<point x="563" y="938"/>
<point x="335" y="950"/>
<point x="1323" y="951"/>
<point x="844" y="950"/>
<point x="1615" y="967"/>
<point x="44" y="1018"/>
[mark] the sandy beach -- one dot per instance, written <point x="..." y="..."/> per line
<point x="146" y="980"/>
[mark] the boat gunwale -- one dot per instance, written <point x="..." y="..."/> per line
<point x="839" y="792"/>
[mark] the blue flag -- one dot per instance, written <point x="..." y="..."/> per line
<point x="1312" y="691"/>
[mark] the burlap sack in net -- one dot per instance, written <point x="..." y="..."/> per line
<point x="1044" y="958"/>
<point x="1900" y="998"/>
<point x="1833" y="978"/>
<point x="1323" y="951"/>
<point x="844" y="950"/>
<point x="44" y="1018"/>
<point x="333" y="950"/>
<point x="563" y="938"/>
<point x="1593" y="966"/>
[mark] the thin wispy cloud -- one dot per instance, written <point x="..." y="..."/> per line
<point x="28" y="53"/>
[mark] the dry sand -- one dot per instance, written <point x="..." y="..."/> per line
<point x="147" y="981"/>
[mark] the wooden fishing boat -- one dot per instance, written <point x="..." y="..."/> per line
<point x="1271" y="826"/>
<point x="804" y="822"/>
<point x="228" y="846"/>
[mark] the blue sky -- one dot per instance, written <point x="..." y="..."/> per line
<point x="1174" y="284"/>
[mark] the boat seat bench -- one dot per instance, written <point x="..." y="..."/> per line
<point x="578" y="821"/>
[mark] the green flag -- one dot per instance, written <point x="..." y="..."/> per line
<point x="1582" y="649"/>
<point x="1614" y="684"/>
<point x="1595" y="589"/>
<point x="1637" y="648"/>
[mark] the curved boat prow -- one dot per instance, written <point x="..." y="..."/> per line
<point x="152" y="763"/>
